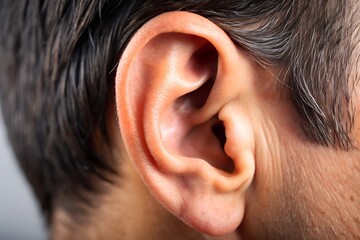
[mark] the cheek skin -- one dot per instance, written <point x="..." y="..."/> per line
<point x="267" y="216"/>
<point x="324" y="192"/>
<point x="301" y="190"/>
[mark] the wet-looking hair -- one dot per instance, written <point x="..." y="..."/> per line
<point x="58" y="60"/>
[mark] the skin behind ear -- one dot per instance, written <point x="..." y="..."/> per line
<point x="183" y="94"/>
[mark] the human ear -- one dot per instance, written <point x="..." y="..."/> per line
<point x="183" y="90"/>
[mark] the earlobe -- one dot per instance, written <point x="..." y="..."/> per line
<point x="181" y="119"/>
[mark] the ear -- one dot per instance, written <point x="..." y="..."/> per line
<point x="183" y="90"/>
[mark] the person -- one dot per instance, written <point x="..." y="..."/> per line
<point x="152" y="119"/>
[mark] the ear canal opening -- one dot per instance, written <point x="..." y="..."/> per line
<point x="218" y="129"/>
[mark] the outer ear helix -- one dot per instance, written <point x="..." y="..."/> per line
<point x="171" y="83"/>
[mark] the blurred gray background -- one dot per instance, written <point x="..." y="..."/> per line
<point x="19" y="214"/>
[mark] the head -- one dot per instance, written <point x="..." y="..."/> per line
<point x="229" y="116"/>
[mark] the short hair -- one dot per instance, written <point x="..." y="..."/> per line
<point x="58" y="60"/>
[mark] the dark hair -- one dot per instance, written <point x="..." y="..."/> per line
<point x="58" y="60"/>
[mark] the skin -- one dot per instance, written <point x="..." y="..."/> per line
<point x="309" y="190"/>
<point x="333" y="204"/>
<point x="282" y="187"/>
